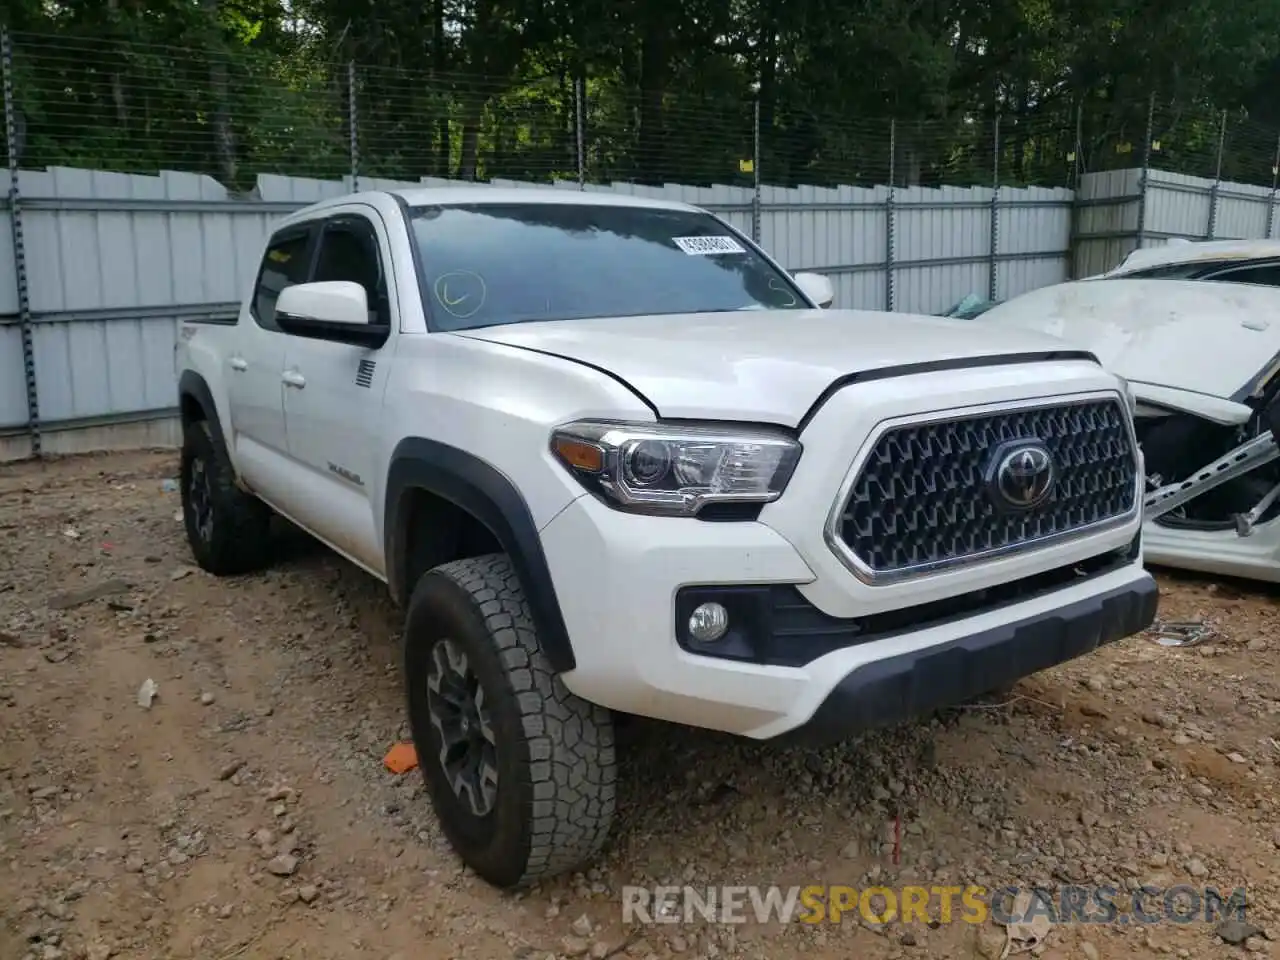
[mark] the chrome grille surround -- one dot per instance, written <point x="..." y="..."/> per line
<point x="945" y="507"/>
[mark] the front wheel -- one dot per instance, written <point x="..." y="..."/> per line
<point x="521" y="772"/>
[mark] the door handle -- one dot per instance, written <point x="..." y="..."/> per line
<point x="292" y="378"/>
<point x="239" y="364"/>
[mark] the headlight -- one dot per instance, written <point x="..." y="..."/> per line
<point x="678" y="470"/>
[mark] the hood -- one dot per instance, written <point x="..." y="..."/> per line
<point x="763" y="366"/>
<point x="1187" y="335"/>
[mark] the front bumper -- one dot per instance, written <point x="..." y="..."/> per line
<point x="898" y="688"/>
<point x="618" y="576"/>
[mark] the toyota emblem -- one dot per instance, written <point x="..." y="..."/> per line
<point x="1024" y="474"/>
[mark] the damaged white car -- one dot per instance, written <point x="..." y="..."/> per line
<point x="1195" y="329"/>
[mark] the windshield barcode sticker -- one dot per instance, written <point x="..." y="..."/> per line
<point x="704" y="246"/>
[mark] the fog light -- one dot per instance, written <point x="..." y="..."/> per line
<point x="708" y="622"/>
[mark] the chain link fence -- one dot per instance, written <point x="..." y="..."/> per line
<point x="134" y="107"/>
<point x="98" y="107"/>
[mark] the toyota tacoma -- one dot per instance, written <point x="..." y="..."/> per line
<point x="612" y="459"/>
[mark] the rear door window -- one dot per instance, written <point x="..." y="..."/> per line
<point x="284" y="264"/>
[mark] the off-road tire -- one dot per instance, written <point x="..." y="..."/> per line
<point x="556" y="762"/>
<point x="238" y="538"/>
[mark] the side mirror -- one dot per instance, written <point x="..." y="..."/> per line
<point x="336" y="310"/>
<point x="817" y="288"/>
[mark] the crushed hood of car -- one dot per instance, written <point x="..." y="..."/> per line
<point x="760" y="366"/>
<point x="1194" y="337"/>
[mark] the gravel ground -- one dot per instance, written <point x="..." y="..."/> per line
<point x="247" y="812"/>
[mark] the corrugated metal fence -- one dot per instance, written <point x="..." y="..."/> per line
<point x="114" y="261"/>
<point x="1119" y="210"/>
<point x="111" y="262"/>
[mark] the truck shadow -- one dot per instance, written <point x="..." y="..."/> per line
<point x="698" y="797"/>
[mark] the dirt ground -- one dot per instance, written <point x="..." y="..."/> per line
<point x="247" y="812"/>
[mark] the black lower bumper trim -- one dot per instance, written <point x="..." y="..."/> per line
<point x="896" y="689"/>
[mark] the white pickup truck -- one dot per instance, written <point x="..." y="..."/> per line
<point x="612" y="458"/>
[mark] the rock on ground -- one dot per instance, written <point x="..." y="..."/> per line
<point x="247" y="811"/>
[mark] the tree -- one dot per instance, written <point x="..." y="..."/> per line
<point x="481" y="88"/>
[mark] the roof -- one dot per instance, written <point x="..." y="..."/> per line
<point x="431" y="196"/>
<point x="1195" y="251"/>
<point x="481" y="194"/>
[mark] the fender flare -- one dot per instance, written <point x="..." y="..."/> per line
<point x="193" y="385"/>
<point x="488" y="495"/>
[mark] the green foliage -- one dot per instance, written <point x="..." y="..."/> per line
<point x="843" y="91"/>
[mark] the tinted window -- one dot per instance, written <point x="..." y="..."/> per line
<point x="1172" y="271"/>
<point x="349" y="251"/>
<point x="284" y="264"/>
<point x="1230" y="271"/>
<point x="487" y="264"/>
<point x="1267" y="274"/>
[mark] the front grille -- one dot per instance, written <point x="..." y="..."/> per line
<point x="922" y="498"/>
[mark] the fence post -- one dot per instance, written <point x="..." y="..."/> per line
<point x="354" y="123"/>
<point x="19" y="247"/>
<point x="1078" y="147"/>
<point x="890" y="294"/>
<point x="755" y="169"/>
<point x="1275" y="182"/>
<point x="993" y="275"/>
<point x="1073" y="226"/>
<point x="1217" y="179"/>
<point x="580" y="128"/>
<point x="1145" y="177"/>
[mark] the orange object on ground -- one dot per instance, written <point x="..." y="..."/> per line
<point x="401" y="758"/>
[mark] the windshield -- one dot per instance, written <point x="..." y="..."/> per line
<point x="1169" y="271"/>
<point x="486" y="264"/>
<point x="1251" y="271"/>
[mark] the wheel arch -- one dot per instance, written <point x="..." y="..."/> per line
<point x="483" y="492"/>
<point x="195" y="403"/>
